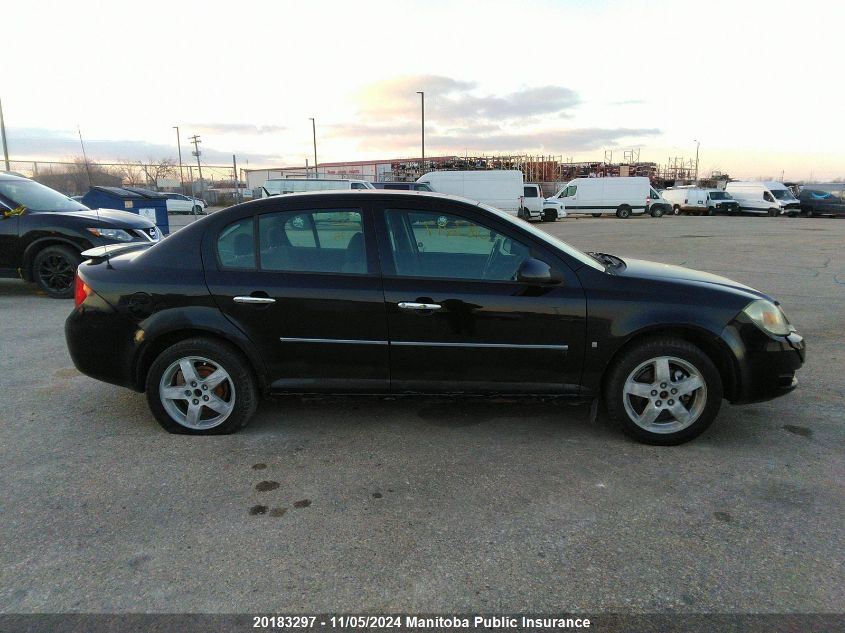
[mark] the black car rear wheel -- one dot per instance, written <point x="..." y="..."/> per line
<point x="201" y="386"/>
<point x="54" y="269"/>
<point x="663" y="391"/>
<point x="623" y="212"/>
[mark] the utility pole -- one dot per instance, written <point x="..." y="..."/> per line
<point x="314" y="133"/>
<point x="196" y="140"/>
<point x="697" y="145"/>
<point x="422" y="128"/>
<point x="84" y="155"/>
<point x="235" y="174"/>
<point x="179" y="146"/>
<point x="3" y="138"/>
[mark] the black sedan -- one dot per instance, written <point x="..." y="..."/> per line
<point x="366" y="292"/>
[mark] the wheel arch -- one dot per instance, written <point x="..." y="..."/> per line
<point x="715" y="349"/>
<point x="154" y="346"/>
<point x="36" y="246"/>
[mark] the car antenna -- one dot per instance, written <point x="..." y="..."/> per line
<point x="88" y="171"/>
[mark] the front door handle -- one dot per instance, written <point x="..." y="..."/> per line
<point x="409" y="305"/>
<point x="253" y="300"/>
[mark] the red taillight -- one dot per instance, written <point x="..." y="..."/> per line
<point x="81" y="290"/>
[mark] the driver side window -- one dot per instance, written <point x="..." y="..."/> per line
<point x="440" y="245"/>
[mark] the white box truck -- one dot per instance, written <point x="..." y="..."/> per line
<point x="622" y="195"/>
<point x="764" y="197"/>
<point x="500" y="188"/>
<point x="700" y="201"/>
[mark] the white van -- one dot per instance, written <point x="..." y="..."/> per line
<point x="623" y="195"/>
<point x="700" y="201"/>
<point x="500" y="188"/>
<point x="770" y="198"/>
<point x="533" y="201"/>
<point x="281" y="186"/>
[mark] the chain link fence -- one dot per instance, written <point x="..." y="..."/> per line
<point x="75" y="177"/>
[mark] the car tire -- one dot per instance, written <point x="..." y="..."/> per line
<point x="234" y="399"/>
<point x="197" y="210"/>
<point x="623" y="212"/>
<point x="676" y="210"/>
<point x="549" y="215"/>
<point x="773" y="213"/>
<point x="54" y="269"/>
<point x="648" y="417"/>
<point x="656" y="212"/>
<point x="596" y="215"/>
<point x="808" y="213"/>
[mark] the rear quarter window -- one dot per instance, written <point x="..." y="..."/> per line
<point x="236" y="245"/>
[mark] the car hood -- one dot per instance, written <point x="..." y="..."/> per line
<point x="643" y="269"/>
<point x="112" y="218"/>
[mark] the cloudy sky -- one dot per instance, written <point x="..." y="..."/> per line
<point x="758" y="83"/>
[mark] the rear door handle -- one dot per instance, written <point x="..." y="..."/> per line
<point x="253" y="300"/>
<point x="409" y="305"/>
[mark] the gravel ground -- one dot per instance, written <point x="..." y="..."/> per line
<point x="436" y="506"/>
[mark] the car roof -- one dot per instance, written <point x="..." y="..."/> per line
<point x="8" y="175"/>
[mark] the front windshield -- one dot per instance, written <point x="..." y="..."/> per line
<point x="36" y="197"/>
<point x="546" y="237"/>
<point x="720" y="195"/>
<point x="782" y="194"/>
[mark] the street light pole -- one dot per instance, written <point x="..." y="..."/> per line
<point x="422" y="127"/>
<point x="179" y="146"/>
<point x="314" y="134"/>
<point x="697" y="145"/>
<point x="3" y="138"/>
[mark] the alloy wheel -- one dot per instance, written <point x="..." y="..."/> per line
<point x="56" y="273"/>
<point x="664" y="395"/>
<point x="197" y="393"/>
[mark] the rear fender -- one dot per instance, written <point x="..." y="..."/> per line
<point x="167" y="327"/>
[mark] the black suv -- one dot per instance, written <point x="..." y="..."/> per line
<point x="43" y="232"/>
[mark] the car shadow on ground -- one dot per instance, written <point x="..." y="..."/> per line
<point x="18" y="288"/>
<point x="557" y="419"/>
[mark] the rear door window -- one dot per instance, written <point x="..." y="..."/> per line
<point x="317" y="241"/>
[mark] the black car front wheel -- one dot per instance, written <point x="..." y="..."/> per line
<point x="54" y="268"/>
<point x="201" y="386"/>
<point x="663" y="391"/>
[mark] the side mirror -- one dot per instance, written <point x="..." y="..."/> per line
<point x="535" y="271"/>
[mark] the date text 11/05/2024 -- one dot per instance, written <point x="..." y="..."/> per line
<point x="422" y="622"/>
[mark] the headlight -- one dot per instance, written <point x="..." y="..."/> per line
<point x="768" y="317"/>
<point x="118" y="235"/>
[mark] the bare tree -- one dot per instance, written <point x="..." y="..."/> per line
<point x="156" y="170"/>
<point x="73" y="179"/>
<point x="131" y="173"/>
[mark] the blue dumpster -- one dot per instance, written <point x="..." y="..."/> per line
<point x="149" y="204"/>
